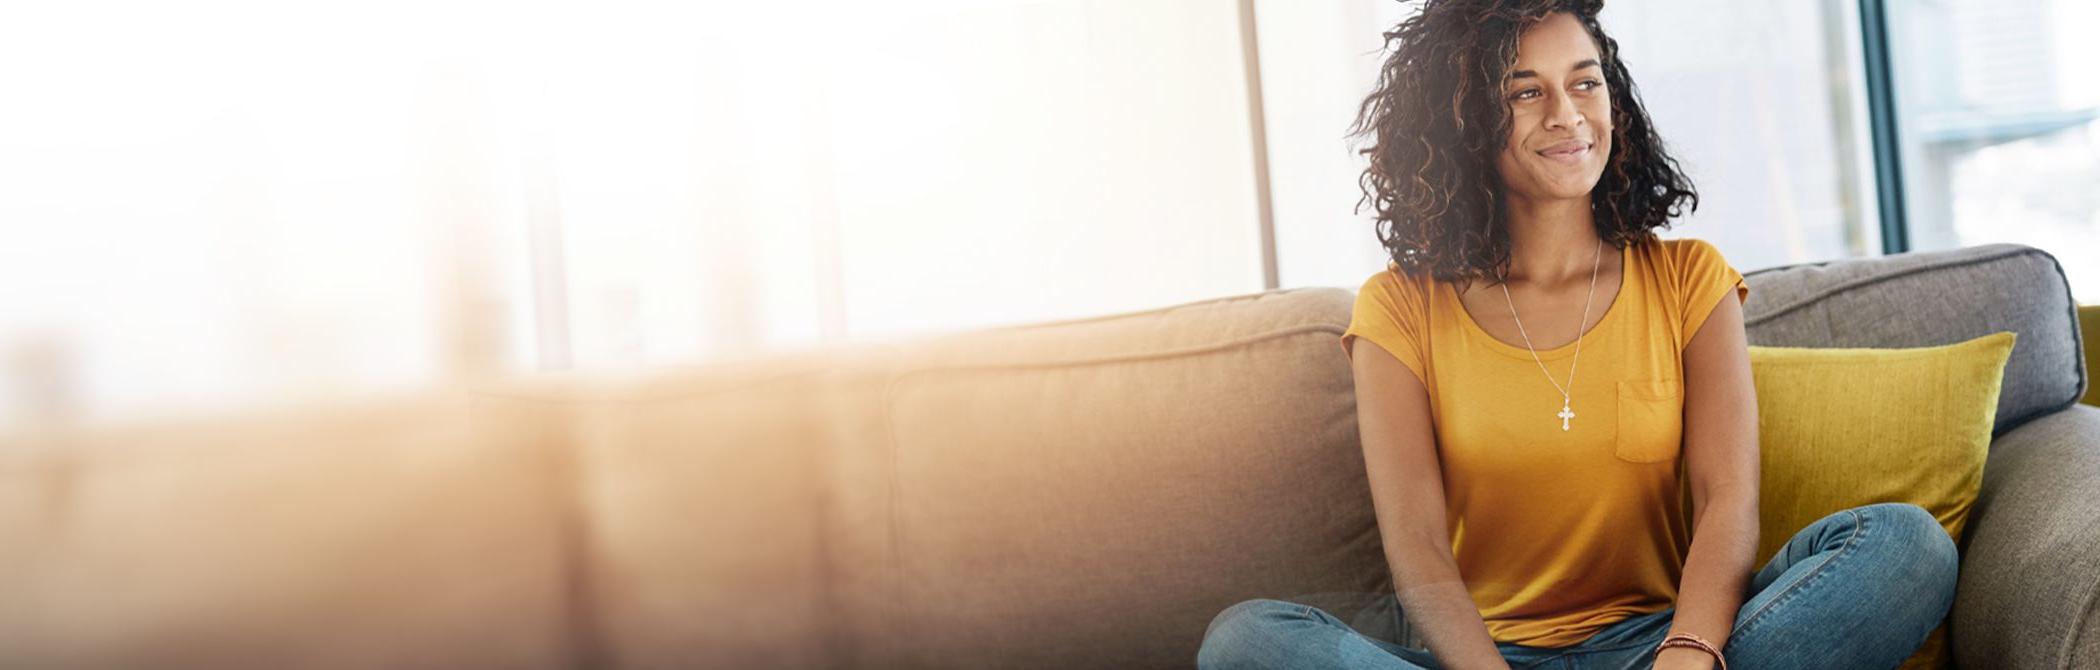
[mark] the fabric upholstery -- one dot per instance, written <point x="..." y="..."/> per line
<point x="1930" y="298"/>
<point x="2089" y="326"/>
<point x="401" y="534"/>
<point x="2030" y="578"/>
<point x="699" y="497"/>
<point x="1091" y="493"/>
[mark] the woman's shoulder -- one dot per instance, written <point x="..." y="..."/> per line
<point x="1395" y="293"/>
<point x="1684" y="248"/>
<point x="1396" y="282"/>
<point x="1674" y="257"/>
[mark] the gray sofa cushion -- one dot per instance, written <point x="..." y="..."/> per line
<point x="1932" y="298"/>
<point x="2030" y="576"/>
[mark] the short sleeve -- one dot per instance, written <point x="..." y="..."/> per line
<point x="1389" y="312"/>
<point x="1706" y="278"/>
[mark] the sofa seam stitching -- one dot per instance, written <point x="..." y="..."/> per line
<point x="2084" y="376"/>
<point x="1829" y="291"/>
<point x="891" y="575"/>
<point x="1123" y="358"/>
<point x="2077" y="356"/>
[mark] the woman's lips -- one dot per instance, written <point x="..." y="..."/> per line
<point x="1569" y="152"/>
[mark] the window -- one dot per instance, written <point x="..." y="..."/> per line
<point x="1761" y="103"/>
<point x="228" y="204"/>
<point x="1998" y="115"/>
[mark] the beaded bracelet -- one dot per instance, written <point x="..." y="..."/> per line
<point x="1695" y="642"/>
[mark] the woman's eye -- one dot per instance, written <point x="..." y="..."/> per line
<point x="1529" y="93"/>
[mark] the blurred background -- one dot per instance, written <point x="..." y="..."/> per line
<point x="221" y="205"/>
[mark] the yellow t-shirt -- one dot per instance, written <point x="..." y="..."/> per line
<point x="1558" y="534"/>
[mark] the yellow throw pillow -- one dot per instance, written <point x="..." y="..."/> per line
<point x="1841" y="428"/>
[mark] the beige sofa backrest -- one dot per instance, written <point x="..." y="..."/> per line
<point x="412" y="532"/>
<point x="1084" y="493"/>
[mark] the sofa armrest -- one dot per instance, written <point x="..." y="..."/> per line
<point x="2030" y="569"/>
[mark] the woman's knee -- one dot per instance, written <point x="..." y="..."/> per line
<point x="1914" y="535"/>
<point x="1244" y="631"/>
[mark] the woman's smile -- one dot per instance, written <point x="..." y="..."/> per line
<point x="1567" y="152"/>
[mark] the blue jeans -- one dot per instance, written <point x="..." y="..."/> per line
<point x="1860" y="588"/>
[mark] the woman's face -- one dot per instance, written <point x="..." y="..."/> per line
<point x="1560" y="114"/>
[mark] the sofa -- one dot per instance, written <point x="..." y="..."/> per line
<point x="2089" y="321"/>
<point x="1074" y="494"/>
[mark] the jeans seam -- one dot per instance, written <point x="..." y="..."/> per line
<point x="1623" y="647"/>
<point x="1758" y="616"/>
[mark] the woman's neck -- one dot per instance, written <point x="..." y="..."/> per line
<point x="1552" y="243"/>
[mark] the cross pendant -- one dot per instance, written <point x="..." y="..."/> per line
<point x="1565" y="414"/>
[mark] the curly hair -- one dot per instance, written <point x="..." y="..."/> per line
<point x="1439" y="119"/>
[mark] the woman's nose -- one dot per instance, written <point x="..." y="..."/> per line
<point x="1563" y="113"/>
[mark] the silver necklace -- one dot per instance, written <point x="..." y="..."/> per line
<point x="1566" y="412"/>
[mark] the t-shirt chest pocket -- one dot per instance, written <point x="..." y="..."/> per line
<point x="1651" y="420"/>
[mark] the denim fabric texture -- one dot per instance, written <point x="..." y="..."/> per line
<point x="1860" y="588"/>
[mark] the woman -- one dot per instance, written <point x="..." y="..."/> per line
<point x="1534" y="509"/>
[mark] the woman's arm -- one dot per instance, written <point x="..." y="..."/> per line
<point x="1721" y="466"/>
<point x="1407" y="490"/>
